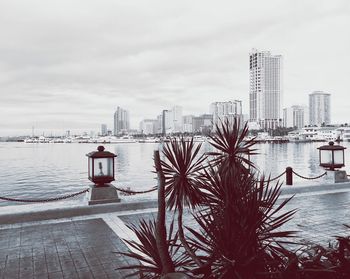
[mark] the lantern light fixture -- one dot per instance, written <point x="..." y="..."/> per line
<point x="101" y="166"/>
<point x="331" y="156"/>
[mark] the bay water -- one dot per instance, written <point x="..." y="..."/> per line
<point x="39" y="171"/>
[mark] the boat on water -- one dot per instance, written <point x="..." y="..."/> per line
<point x="123" y="139"/>
<point x="40" y="139"/>
<point x="149" y="140"/>
<point x="31" y="140"/>
<point x="82" y="139"/>
<point x="277" y="139"/>
<point x="113" y="139"/>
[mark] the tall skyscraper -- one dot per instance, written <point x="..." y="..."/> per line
<point x="226" y="111"/>
<point x="265" y="89"/>
<point x="320" y="108"/>
<point x="296" y="116"/>
<point x="121" y="121"/>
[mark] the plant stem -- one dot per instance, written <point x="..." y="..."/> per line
<point x="161" y="235"/>
<point x="182" y="237"/>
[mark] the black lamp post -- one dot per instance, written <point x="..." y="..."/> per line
<point x="331" y="156"/>
<point x="101" y="166"/>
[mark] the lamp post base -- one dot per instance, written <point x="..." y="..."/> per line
<point x="336" y="176"/>
<point x="102" y="194"/>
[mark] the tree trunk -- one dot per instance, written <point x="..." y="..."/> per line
<point x="161" y="235"/>
<point x="182" y="237"/>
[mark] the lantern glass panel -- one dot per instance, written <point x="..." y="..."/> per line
<point x="103" y="167"/>
<point x="338" y="157"/>
<point x="326" y="157"/>
<point x="90" y="167"/>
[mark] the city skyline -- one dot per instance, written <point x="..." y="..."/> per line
<point x="67" y="66"/>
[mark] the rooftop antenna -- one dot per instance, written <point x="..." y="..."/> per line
<point x="33" y="131"/>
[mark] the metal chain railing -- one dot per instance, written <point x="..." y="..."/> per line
<point x="297" y="174"/>
<point x="272" y="179"/>
<point x="310" y="178"/>
<point x="126" y="191"/>
<point x="131" y="192"/>
<point x="47" y="199"/>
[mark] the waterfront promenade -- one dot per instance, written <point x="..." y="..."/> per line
<point x="54" y="241"/>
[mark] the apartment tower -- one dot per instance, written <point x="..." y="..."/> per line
<point x="265" y="89"/>
<point x="296" y="116"/>
<point x="320" y="108"/>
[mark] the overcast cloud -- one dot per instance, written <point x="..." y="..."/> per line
<point x="68" y="64"/>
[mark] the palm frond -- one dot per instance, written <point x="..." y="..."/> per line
<point x="182" y="170"/>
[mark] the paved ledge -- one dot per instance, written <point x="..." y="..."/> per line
<point x="315" y="189"/>
<point x="25" y="214"/>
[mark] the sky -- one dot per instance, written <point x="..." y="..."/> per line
<point x="67" y="65"/>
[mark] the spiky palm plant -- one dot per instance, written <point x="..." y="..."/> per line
<point x="182" y="170"/>
<point x="232" y="148"/>
<point x="240" y="233"/>
<point x="240" y="225"/>
<point x="145" y="251"/>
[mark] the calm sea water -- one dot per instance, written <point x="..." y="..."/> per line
<point x="31" y="171"/>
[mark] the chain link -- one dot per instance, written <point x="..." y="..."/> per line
<point x="272" y="179"/>
<point x="310" y="178"/>
<point x="45" y="200"/>
<point x="277" y="176"/>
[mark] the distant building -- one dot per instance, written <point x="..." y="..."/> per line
<point x="202" y="124"/>
<point x="265" y="89"/>
<point x="121" y="121"/>
<point x="177" y="119"/>
<point x="320" y="108"/>
<point x="104" y="130"/>
<point x="230" y="110"/>
<point x="148" y="126"/>
<point x="158" y="125"/>
<point x="296" y="116"/>
<point x="172" y="120"/>
<point x="166" y="122"/>
<point x="187" y="121"/>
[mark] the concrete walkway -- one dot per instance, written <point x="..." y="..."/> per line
<point x="71" y="249"/>
<point x="75" y="247"/>
<point x="80" y="244"/>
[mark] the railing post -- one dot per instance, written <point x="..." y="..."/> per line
<point x="289" y="176"/>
